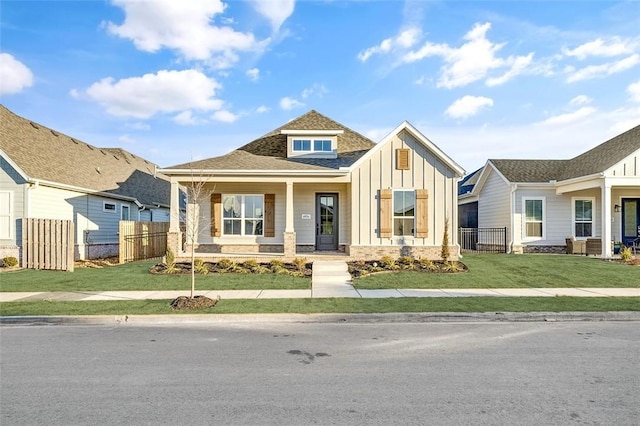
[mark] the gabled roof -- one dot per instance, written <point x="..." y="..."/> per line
<point x="269" y="152"/>
<point x="596" y="160"/>
<point x="467" y="183"/>
<point x="44" y="154"/>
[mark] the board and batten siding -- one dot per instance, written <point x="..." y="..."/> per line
<point x="425" y="171"/>
<point x="13" y="187"/>
<point x="629" y="167"/>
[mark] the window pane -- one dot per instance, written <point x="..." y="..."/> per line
<point x="253" y="206"/>
<point x="534" y="229"/>
<point x="322" y="145"/>
<point x="231" y="206"/>
<point x="583" y="229"/>
<point x="533" y="210"/>
<point x="402" y="226"/>
<point x="232" y="227"/>
<point x="584" y="210"/>
<point x="403" y="203"/>
<point x="253" y="227"/>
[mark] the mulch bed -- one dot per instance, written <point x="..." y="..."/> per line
<point x="197" y="302"/>
<point x="361" y="268"/>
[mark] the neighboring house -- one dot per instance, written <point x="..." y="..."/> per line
<point x="594" y="196"/>
<point x="314" y="185"/>
<point x="468" y="207"/>
<point x="48" y="175"/>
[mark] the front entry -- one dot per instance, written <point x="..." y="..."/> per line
<point x="630" y="220"/>
<point x="326" y="221"/>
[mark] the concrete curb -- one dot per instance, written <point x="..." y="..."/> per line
<point x="426" y="317"/>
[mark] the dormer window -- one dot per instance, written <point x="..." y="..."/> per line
<point x="312" y="143"/>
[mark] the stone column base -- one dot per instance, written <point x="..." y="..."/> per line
<point x="174" y="242"/>
<point x="289" y="244"/>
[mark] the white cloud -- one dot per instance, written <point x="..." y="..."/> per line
<point x="595" y="71"/>
<point x="276" y="11"/>
<point x="599" y="47"/>
<point x="404" y="40"/>
<point x="166" y="91"/>
<point x="580" y="100"/>
<point x="225" y="116"/>
<point x="139" y="126"/>
<point x="570" y="117"/>
<point x="262" y="109"/>
<point x="634" y="91"/>
<point x="316" y="89"/>
<point x="472" y="61"/>
<point x="253" y="74"/>
<point x="468" y="106"/>
<point x="184" y="26"/>
<point x="186" y="118"/>
<point x="14" y="75"/>
<point x="288" y="103"/>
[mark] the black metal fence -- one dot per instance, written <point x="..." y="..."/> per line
<point x="483" y="240"/>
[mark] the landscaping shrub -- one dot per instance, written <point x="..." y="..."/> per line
<point x="625" y="254"/>
<point x="200" y="267"/>
<point x="9" y="262"/>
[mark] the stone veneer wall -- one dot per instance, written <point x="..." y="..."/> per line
<point x="545" y="249"/>
<point x="376" y="252"/>
<point x="9" y="251"/>
<point x="96" y="251"/>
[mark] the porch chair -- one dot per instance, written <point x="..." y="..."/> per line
<point x="576" y="246"/>
<point x="634" y="245"/>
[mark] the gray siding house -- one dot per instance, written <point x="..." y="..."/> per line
<point x="594" y="197"/>
<point x="48" y="175"/>
<point x="314" y="185"/>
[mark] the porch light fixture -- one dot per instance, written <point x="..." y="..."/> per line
<point x="616" y="208"/>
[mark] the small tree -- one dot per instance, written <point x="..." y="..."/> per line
<point x="444" y="254"/>
<point x="196" y="193"/>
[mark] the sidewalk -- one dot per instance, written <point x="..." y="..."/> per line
<point x="330" y="279"/>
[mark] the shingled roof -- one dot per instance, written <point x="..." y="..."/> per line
<point x="596" y="160"/>
<point x="48" y="155"/>
<point x="269" y="152"/>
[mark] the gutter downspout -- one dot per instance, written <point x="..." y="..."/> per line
<point x="514" y="188"/>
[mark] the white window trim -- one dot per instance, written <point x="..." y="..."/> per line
<point x="11" y="233"/>
<point x="393" y="213"/>
<point x="105" y="209"/>
<point x="128" y="207"/>
<point x="242" y="218"/>
<point x="312" y="153"/>
<point x="524" y="218"/>
<point x="573" y="216"/>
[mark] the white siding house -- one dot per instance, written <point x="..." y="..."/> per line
<point x="45" y="174"/>
<point x="593" y="197"/>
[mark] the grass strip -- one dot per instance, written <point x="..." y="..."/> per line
<point x="337" y="305"/>
<point x="514" y="271"/>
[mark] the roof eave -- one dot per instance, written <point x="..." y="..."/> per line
<point x="239" y="172"/>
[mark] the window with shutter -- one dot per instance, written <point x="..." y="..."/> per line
<point x="385" y="213"/>
<point x="216" y="214"/>
<point x="422" y="213"/>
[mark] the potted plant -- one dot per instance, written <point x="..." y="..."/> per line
<point x="616" y="247"/>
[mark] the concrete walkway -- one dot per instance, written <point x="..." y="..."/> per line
<point x="329" y="279"/>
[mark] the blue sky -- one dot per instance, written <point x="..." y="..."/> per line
<point x="175" y="81"/>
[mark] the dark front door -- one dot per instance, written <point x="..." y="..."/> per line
<point x="326" y="221"/>
<point x="630" y="220"/>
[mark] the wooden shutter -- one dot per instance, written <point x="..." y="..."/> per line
<point x="386" y="217"/>
<point x="216" y="215"/>
<point x="269" y="215"/>
<point x="402" y="159"/>
<point x="422" y="213"/>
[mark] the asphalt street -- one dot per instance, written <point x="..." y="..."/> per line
<point x="268" y="373"/>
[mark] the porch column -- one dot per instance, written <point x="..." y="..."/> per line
<point x="606" y="219"/>
<point x="289" y="229"/>
<point x="174" y="211"/>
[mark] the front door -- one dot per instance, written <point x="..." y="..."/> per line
<point x="630" y="220"/>
<point x="326" y="221"/>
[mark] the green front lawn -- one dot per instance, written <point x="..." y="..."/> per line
<point x="136" y="276"/>
<point x="514" y="271"/>
<point x="346" y="305"/>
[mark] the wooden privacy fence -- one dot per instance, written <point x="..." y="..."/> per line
<point x="47" y="244"/>
<point x="142" y="240"/>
